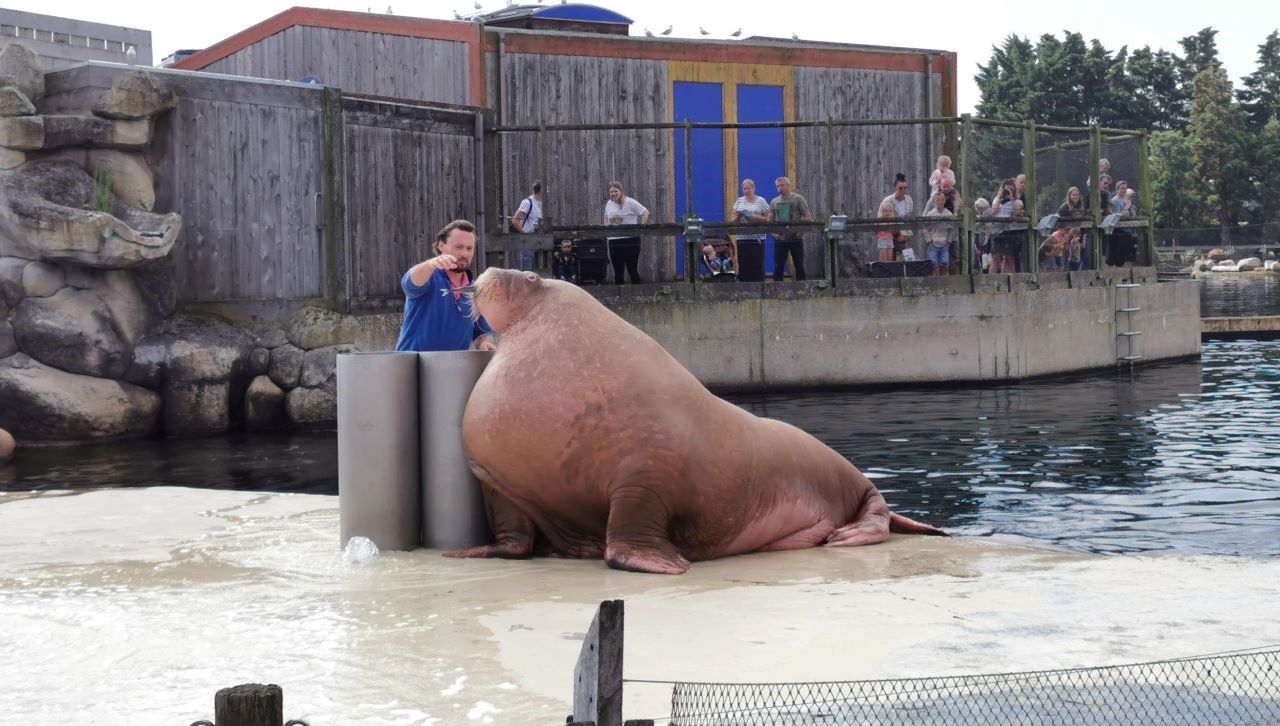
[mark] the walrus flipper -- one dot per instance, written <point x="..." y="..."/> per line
<point x="515" y="533"/>
<point x="636" y="536"/>
<point x="899" y="524"/>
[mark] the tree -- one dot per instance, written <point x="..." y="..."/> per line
<point x="1260" y="93"/>
<point x="1199" y="52"/>
<point x="1217" y="144"/>
<point x="1267" y="160"/>
<point x="1173" y="181"/>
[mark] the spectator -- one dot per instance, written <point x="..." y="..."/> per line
<point x="624" y="252"/>
<point x="942" y="172"/>
<point x="982" y="241"/>
<point x="901" y="202"/>
<point x="564" y="262"/>
<point x="939" y="237"/>
<point x="529" y="215"/>
<point x="1073" y="209"/>
<point x="750" y="208"/>
<point x="1006" y="243"/>
<point x="718" y="258"/>
<point x="1122" y="247"/>
<point x="1052" y="250"/>
<point x="885" y="237"/>
<point x="1020" y="189"/>
<point x="788" y="207"/>
<point x="954" y="205"/>
<point x="1075" y="247"/>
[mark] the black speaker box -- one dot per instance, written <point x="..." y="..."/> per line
<point x="918" y="268"/>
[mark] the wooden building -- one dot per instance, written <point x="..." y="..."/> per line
<point x="569" y="64"/>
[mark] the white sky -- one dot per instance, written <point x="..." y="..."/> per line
<point x="968" y="28"/>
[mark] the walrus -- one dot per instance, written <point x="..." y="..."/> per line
<point x="592" y="441"/>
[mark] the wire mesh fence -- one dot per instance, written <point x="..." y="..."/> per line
<point x="1241" y="687"/>
<point x="879" y="174"/>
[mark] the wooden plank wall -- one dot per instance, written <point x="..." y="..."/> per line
<point x="240" y="160"/>
<point x="576" y="167"/>
<point x="377" y="64"/>
<point x="409" y="172"/>
<point x="866" y="158"/>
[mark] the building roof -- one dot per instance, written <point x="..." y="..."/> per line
<point x="566" y="11"/>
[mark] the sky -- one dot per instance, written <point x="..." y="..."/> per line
<point x="968" y="28"/>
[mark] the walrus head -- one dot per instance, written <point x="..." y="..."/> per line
<point x="504" y="296"/>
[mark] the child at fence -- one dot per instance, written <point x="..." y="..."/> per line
<point x="564" y="262"/>
<point x="942" y="172"/>
<point x="719" y="259"/>
<point x="885" y="237"/>
<point x="1052" y="249"/>
<point x="938" y="237"/>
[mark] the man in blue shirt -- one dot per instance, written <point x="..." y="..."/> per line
<point x="437" y="316"/>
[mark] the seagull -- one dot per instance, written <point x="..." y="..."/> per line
<point x="703" y="30"/>
<point x="736" y="33"/>
<point x="457" y="15"/>
<point x="648" y="33"/>
<point x="794" y="36"/>
<point x="668" y="30"/>
<point x="131" y="54"/>
<point x="477" y="6"/>
<point x="389" y="10"/>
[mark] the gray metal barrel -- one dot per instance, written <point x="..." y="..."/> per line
<point x="453" y="514"/>
<point x="378" y="491"/>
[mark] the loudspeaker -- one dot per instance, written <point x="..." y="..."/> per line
<point x="918" y="268"/>
<point x="593" y="261"/>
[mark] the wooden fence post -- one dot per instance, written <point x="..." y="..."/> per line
<point x="597" y="678"/>
<point x="249" y="704"/>
<point x="337" y="282"/>
<point x="1096" y="212"/>
<point x="967" y="225"/>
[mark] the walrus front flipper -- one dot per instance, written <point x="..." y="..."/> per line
<point x="514" y="531"/>
<point x="899" y="524"/>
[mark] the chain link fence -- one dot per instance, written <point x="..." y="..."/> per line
<point x="1242" y="687"/>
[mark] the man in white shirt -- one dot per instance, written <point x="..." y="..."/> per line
<point x="529" y="215"/>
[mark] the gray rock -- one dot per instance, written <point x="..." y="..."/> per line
<point x="24" y="133"/>
<point x="149" y="358"/>
<point x="13" y="102"/>
<point x="285" y="368"/>
<point x="128" y="174"/>
<point x="1249" y="263"/>
<point x="53" y="202"/>
<point x="273" y="338"/>
<point x="259" y="361"/>
<point x="20" y="67"/>
<point x="8" y="343"/>
<point x="40" y="279"/>
<point x="321" y="364"/>
<point x="11" y="289"/>
<point x="263" y="405"/>
<point x="205" y="350"/>
<point x="313" y="327"/>
<point x="47" y="404"/>
<point x="1273" y="266"/>
<point x="157" y="283"/>
<point x="311" y="406"/>
<point x="135" y="95"/>
<point x="196" y="409"/>
<point x="75" y="331"/>
<point x="11" y="159"/>
<point x="73" y="130"/>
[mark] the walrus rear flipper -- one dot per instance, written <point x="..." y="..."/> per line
<point x="899" y="524"/>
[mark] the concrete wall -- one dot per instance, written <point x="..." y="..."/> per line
<point x="896" y="331"/>
<point x="64" y="42"/>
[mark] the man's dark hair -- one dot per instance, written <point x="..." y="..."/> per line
<point x="461" y="224"/>
<point x="899" y="178"/>
<point x="537" y="187"/>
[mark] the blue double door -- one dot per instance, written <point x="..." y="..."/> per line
<point x="761" y="153"/>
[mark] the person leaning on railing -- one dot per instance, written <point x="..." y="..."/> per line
<point x="1122" y="245"/>
<point x="750" y="208"/>
<point x="938" y="237"/>
<point x="624" y="252"/>
<point x="1073" y="209"/>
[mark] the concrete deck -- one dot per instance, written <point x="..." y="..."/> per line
<point x="135" y="605"/>
<point x="1265" y="326"/>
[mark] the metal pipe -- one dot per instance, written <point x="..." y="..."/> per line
<point x="378" y="490"/>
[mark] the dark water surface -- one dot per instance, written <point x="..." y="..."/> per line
<point x="1230" y="295"/>
<point x="1180" y="457"/>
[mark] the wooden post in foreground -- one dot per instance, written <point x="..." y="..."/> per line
<point x="251" y="704"/>
<point x="597" y="678"/>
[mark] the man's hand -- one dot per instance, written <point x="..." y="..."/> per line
<point x="486" y="343"/>
<point x="444" y="262"/>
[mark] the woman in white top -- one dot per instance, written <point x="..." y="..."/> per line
<point x="624" y="252"/>
<point x="750" y="208"/>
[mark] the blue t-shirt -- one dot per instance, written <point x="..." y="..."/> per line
<point x="434" y="320"/>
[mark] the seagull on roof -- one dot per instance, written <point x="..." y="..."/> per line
<point x="477" y="6"/>
<point x="795" y="36"/>
<point x="648" y="33"/>
<point x="703" y="30"/>
<point x="668" y="30"/>
<point x="736" y="33"/>
<point x="457" y="15"/>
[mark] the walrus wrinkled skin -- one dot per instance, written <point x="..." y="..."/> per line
<point x="587" y="434"/>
